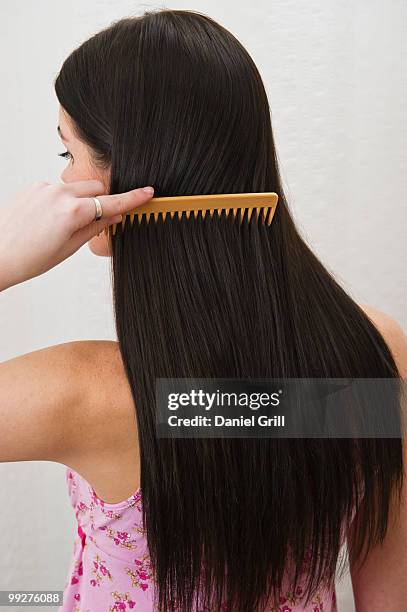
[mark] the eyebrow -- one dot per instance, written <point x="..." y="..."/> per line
<point x="61" y="134"/>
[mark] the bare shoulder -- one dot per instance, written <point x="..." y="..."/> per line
<point x="105" y="449"/>
<point x="101" y="367"/>
<point x="106" y="409"/>
<point x="50" y="396"/>
<point x="38" y="391"/>
<point x="71" y="403"/>
<point x="380" y="318"/>
<point x="392" y="333"/>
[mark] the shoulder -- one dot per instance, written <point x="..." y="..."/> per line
<point x="104" y="387"/>
<point x="68" y="358"/>
<point x="104" y="408"/>
<point x="49" y="397"/>
<point x="392" y="333"/>
<point x="95" y="361"/>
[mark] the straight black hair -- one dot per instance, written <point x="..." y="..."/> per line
<point x="172" y="99"/>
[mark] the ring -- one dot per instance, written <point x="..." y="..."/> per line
<point x="99" y="210"/>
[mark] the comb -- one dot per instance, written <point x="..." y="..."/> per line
<point x="231" y="203"/>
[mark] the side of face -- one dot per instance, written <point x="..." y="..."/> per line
<point x="81" y="168"/>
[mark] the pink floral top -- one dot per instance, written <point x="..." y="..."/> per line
<point x="110" y="569"/>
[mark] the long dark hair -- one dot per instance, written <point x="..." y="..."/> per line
<point x="172" y="99"/>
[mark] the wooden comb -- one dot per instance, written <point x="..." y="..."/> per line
<point x="229" y="202"/>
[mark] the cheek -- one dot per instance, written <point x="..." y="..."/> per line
<point x="81" y="170"/>
<point x="74" y="173"/>
<point x="100" y="245"/>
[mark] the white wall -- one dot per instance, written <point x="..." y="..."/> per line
<point x="333" y="72"/>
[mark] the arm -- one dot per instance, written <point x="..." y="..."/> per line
<point x="46" y="400"/>
<point x="72" y="404"/>
<point x="380" y="584"/>
<point x="40" y="394"/>
<point x="67" y="403"/>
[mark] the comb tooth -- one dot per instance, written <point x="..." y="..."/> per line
<point x="179" y="214"/>
<point x="265" y="213"/>
<point x="131" y="219"/>
<point x="156" y="216"/>
<point x="172" y="213"/>
<point x="249" y="213"/>
<point x="211" y="212"/>
<point x="164" y="216"/>
<point x="204" y="213"/>
<point x="258" y="212"/>
<point x="196" y="212"/>
<point x="187" y="212"/>
<point x="139" y="219"/>
<point x="234" y="213"/>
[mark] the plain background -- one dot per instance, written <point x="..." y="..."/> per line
<point x="333" y="73"/>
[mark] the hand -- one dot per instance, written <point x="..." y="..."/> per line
<point x="45" y="224"/>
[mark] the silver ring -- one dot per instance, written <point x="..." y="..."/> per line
<point x="99" y="210"/>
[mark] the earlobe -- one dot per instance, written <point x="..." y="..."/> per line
<point x="99" y="245"/>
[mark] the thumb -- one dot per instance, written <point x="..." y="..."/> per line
<point x="85" y="234"/>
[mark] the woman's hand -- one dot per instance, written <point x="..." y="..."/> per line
<point x="45" y="224"/>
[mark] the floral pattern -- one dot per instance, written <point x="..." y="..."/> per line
<point x="141" y="575"/>
<point x="111" y="568"/>
<point x="99" y="571"/>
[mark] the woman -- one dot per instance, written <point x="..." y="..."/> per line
<point x="172" y="99"/>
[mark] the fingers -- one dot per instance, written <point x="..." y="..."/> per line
<point x="121" y="203"/>
<point x="112" y="205"/>
<point x="83" y="189"/>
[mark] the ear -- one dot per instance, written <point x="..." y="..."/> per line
<point x="100" y="245"/>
